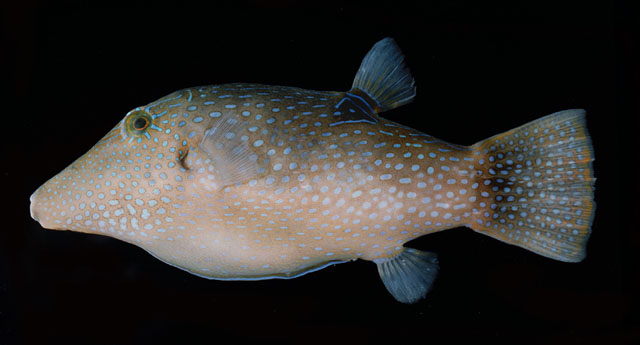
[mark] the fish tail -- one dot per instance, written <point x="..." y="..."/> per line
<point x="384" y="76"/>
<point x="535" y="186"/>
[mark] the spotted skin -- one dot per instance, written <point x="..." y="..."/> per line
<point x="328" y="193"/>
<point x="328" y="181"/>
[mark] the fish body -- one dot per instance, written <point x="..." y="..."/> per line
<point x="244" y="181"/>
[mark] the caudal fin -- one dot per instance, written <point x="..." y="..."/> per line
<point x="535" y="186"/>
<point x="384" y="76"/>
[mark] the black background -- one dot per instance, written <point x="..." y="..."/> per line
<point x="74" y="68"/>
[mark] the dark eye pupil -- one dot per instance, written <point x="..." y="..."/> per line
<point x="140" y="123"/>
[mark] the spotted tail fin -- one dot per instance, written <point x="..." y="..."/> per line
<point x="535" y="186"/>
<point x="384" y="76"/>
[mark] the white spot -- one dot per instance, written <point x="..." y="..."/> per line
<point x="459" y="206"/>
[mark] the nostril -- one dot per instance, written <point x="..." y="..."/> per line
<point x="31" y="210"/>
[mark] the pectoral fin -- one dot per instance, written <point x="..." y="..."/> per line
<point x="226" y="145"/>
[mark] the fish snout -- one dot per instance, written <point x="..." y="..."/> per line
<point x="32" y="209"/>
<point x="39" y="211"/>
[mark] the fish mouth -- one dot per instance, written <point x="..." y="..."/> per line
<point x="32" y="209"/>
<point x="38" y="214"/>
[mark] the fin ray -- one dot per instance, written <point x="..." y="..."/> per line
<point x="409" y="275"/>
<point x="385" y="77"/>
<point x="538" y="180"/>
<point x="233" y="159"/>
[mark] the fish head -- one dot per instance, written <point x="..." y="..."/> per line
<point x="129" y="173"/>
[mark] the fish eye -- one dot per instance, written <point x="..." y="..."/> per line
<point x="138" y="122"/>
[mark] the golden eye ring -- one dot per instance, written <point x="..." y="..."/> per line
<point x="138" y="122"/>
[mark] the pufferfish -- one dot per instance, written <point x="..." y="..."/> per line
<point x="248" y="182"/>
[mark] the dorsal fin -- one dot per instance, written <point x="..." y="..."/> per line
<point x="384" y="76"/>
<point x="232" y="157"/>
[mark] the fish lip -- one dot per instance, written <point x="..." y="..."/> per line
<point x="31" y="210"/>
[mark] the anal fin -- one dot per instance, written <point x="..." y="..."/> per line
<point x="409" y="275"/>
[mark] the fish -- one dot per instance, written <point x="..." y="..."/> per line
<point x="248" y="182"/>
